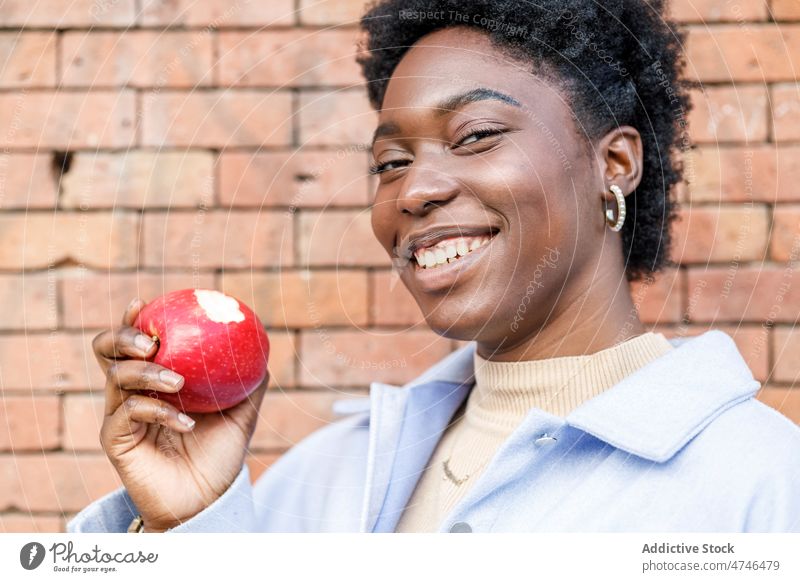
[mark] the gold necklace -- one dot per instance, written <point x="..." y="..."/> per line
<point x="449" y="475"/>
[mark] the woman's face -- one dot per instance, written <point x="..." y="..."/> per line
<point x="482" y="166"/>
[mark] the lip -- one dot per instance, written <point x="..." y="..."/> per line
<point x="433" y="235"/>
<point x="446" y="275"/>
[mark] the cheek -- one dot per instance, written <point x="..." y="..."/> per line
<point x="539" y="202"/>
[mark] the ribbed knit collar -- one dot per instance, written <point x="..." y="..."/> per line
<point x="504" y="392"/>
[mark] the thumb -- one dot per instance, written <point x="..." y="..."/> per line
<point x="245" y="414"/>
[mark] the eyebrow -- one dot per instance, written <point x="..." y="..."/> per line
<point x="449" y="105"/>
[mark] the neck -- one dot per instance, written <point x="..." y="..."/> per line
<point x="593" y="316"/>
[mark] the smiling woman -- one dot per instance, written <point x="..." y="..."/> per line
<point x="526" y="154"/>
<point x="525" y="142"/>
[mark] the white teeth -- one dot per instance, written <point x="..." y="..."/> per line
<point x="430" y="259"/>
<point x="448" y="251"/>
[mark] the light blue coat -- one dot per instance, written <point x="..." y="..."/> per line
<point x="679" y="445"/>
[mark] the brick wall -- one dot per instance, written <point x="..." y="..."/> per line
<point x="150" y="145"/>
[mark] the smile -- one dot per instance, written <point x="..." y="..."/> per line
<point x="442" y="265"/>
<point x="448" y="250"/>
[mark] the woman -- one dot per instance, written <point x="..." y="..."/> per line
<point x="526" y="153"/>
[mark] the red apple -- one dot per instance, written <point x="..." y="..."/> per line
<point x="213" y="340"/>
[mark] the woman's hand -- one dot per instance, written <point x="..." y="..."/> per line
<point x="172" y="466"/>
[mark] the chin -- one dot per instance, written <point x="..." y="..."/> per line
<point x="460" y="324"/>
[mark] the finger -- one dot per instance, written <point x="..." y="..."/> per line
<point x="122" y="342"/>
<point x="121" y="428"/>
<point x="125" y="376"/>
<point x="132" y="311"/>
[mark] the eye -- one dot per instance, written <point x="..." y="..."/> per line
<point x="478" y="135"/>
<point x="385" y="166"/>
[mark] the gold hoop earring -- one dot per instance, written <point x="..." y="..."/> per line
<point x="616" y="225"/>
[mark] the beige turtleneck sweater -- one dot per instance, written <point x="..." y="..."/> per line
<point x="503" y="394"/>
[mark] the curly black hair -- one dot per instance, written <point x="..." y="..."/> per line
<point x="619" y="61"/>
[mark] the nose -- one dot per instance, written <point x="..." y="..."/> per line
<point x="423" y="189"/>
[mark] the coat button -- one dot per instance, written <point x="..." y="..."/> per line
<point x="545" y="439"/>
<point x="460" y="527"/>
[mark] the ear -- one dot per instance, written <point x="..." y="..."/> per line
<point x="619" y="159"/>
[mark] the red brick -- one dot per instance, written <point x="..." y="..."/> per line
<point x="21" y="523"/>
<point x="35" y="240"/>
<point x="785" y="9"/>
<point x="725" y="114"/>
<point x="341" y="238"/>
<point x="302" y="298"/>
<point x="326" y="12"/>
<point x="705" y="234"/>
<point x="214" y="238"/>
<point x="296" y="58"/>
<point x="657" y="299"/>
<point x="89" y="239"/>
<point x="139" y="58"/>
<point x="55" y="482"/>
<point x="786" y="354"/>
<point x="55" y="361"/>
<point x="138" y="179"/>
<point x="784" y="400"/>
<point x="786" y="112"/>
<point x="60" y="14"/>
<point x="728" y="53"/>
<point x="288" y="417"/>
<point x="682" y="188"/>
<point x="217" y="14"/>
<point x="333" y="118"/>
<point x="282" y="359"/>
<point x="739" y="174"/>
<point x="28" y="59"/>
<point x="717" y="10"/>
<point x="216" y="118"/>
<point x="785" y="243"/>
<point x="297" y="178"/>
<point x="752" y="341"/>
<point x="66" y="120"/>
<point x="83" y="417"/>
<point x="27" y="181"/>
<point x="98" y="300"/>
<point x="744" y="294"/>
<point x="356" y="358"/>
<point x="392" y="304"/>
<point x="29" y="301"/>
<point x="29" y="423"/>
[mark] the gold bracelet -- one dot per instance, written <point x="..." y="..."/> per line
<point x="137" y="525"/>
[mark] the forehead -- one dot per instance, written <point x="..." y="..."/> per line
<point x="454" y="59"/>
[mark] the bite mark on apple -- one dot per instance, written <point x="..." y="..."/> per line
<point x="219" y="307"/>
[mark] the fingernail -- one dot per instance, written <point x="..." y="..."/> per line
<point x="185" y="420"/>
<point x="143" y="342"/>
<point x="171" y="378"/>
<point x="131" y="304"/>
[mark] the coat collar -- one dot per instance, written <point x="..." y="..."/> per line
<point x="656" y="410"/>
<point x="651" y="413"/>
